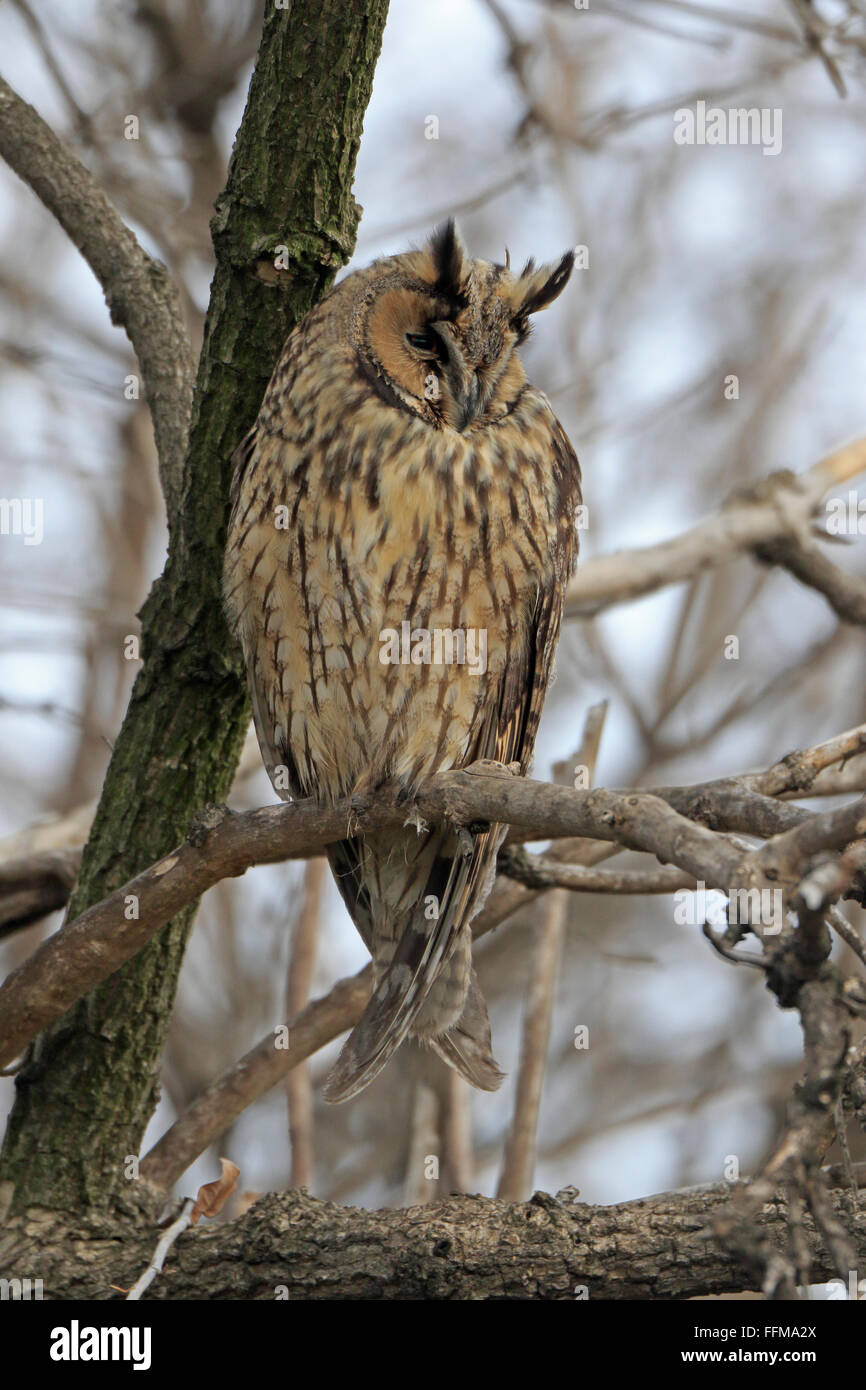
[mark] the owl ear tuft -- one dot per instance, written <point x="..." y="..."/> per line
<point x="451" y="262"/>
<point x="536" y="287"/>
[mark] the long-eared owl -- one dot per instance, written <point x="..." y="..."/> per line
<point x="401" y="535"/>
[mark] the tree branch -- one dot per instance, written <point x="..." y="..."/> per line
<point x="225" y="844"/>
<point x="543" y="871"/>
<point x="845" y="593"/>
<point x="139" y="292"/>
<point x="266" y="1064"/>
<point x="780" y="505"/>
<point x="35" y="885"/>
<point x="466" y="1248"/>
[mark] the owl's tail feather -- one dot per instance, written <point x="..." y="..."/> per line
<point x="467" y="1046"/>
<point x="400" y="994"/>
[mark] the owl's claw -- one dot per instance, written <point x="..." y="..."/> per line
<point x="489" y="767"/>
<point x="414" y="820"/>
<point x="465" y="842"/>
<point x="358" y="804"/>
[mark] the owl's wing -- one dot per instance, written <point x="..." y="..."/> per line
<point x="275" y="756"/>
<point x="506" y="733"/>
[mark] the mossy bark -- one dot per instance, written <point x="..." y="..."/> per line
<point x="91" y="1083"/>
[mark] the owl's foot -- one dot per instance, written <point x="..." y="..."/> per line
<point x="357" y="806"/>
<point x="489" y="767"/>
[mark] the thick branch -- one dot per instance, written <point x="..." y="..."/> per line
<point x="223" y="844"/>
<point x="467" y="1248"/>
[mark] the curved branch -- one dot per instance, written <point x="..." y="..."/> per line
<point x="139" y="292"/>
<point x="223" y="844"/>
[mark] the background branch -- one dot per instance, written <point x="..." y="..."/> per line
<point x="138" y="291"/>
<point x="750" y="520"/>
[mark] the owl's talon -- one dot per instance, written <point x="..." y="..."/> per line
<point x="414" y="821"/>
<point x="465" y="842"/>
<point x="489" y="767"/>
<point x="358" y="805"/>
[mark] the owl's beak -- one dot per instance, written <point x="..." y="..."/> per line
<point x="469" y="402"/>
<point x="465" y="388"/>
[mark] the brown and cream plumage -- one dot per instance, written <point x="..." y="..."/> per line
<point x="403" y="471"/>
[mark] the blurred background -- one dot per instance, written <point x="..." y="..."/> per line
<point x="541" y="125"/>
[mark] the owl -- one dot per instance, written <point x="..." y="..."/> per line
<point x="402" y="531"/>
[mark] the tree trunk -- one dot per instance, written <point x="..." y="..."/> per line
<point x="91" y="1082"/>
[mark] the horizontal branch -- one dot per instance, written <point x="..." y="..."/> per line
<point x="226" y="1097"/>
<point x="542" y="871"/>
<point x="779" y="506"/>
<point x="466" y="1248"/>
<point x="224" y="844"/>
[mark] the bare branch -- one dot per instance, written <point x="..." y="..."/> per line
<point x="139" y="293"/>
<point x="543" y="871"/>
<point x="808" y="563"/>
<point x="781" y="505"/>
<point x="32" y="887"/>
<point x="468" y="1247"/>
<point x="518" y="1164"/>
<point x="214" y="1111"/>
<point x="223" y="844"/>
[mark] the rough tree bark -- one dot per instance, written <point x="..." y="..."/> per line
<point x="549" y="1248"/>
<point x="90" y="1084"/>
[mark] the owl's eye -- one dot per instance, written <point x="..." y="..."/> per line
<point x="426" y="342"/>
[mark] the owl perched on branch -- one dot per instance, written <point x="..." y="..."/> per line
<point x="401" y="535"/>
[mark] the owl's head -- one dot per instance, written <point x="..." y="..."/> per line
<point x="436" y="332"/>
